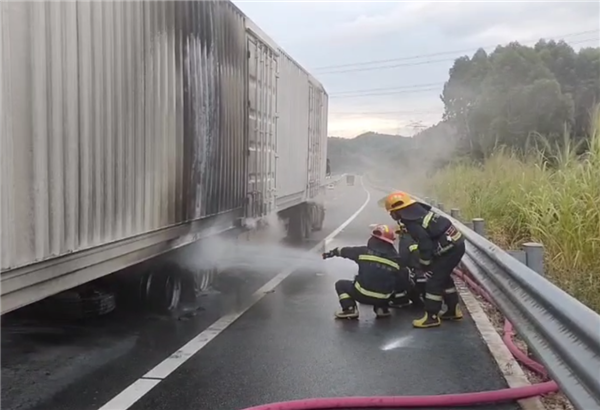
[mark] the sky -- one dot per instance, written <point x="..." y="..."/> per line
<point x="343" y="45"/>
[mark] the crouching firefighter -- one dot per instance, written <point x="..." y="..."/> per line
<point x="410" y="286"/>
<point x="375" y="282"/>
<point x="441" y="247"/>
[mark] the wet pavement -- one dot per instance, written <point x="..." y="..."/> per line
<point x="287" y="346"/>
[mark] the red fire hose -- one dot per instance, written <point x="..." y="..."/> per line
<point x="509" y="332"/>
<point x="440" y="401"/>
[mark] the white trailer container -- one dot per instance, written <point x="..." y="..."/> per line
<point x="317" y="137"/>
<point x="301" y="134"/>
<point x="129" y="129"/>
<point x="299" y="137"/>
<point x="292" y="132"/>
<point x="262" y="132"/>
<point x="294" y="125"/>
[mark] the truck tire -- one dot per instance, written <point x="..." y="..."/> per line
<point x="299" y="224"/>
<point x="80" y="304"/>
<point x="307" y="222"/>
<point x="318" y="217"/>
<point x="163" y="290"/>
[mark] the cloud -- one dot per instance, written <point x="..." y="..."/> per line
<point x="473" y="20"/>
<point x="334" y="33"/>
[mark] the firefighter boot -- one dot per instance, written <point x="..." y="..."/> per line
<point x="381" y="311"/>
<point x="428" y="320"/>
<point x="347" y="312"/>
<point x="433" y="305"/>
<point x="349" y="308"/>
<point x="453" y="312"/>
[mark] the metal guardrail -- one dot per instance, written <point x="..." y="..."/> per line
<point x="562" y="332"/>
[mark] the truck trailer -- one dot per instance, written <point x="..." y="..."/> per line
<point x="129" y="129"/>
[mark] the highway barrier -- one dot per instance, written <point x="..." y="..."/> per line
<point x="563" y="333"/>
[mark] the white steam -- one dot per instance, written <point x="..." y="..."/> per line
<point x="265" y="253"/>
<point x="233" y="255"/>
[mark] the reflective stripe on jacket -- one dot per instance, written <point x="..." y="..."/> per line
<point x="377" y="269"/>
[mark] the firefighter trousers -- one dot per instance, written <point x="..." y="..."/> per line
<point x="440" y="286"/>
<point x="403" y="292"/>
<point x="349" y="296"/>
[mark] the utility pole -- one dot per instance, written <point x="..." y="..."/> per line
<point x="417" y="127"/>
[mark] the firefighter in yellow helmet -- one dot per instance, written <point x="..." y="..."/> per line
<point x="441" y="247"/>
<point x="377" y="269"/>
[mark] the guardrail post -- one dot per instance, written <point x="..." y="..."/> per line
<point x="455" y="213"/>
<point x="518" y="255"/>
<point x="534" y="259"/>
<point x="479" y="226"/>
<point x="441" y="206"/>
<point x="535" y="256"/>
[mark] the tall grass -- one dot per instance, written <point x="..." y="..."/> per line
<point x="526" y="199"/>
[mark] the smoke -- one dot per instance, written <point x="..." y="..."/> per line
<point x="276" y="229"/>
<point x="271" y="227"/>
<point x="264" y="254"/>
<point x="233" y="255"/>
<point x="395" y="161"/>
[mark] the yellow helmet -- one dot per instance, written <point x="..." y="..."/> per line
<point x="396" y="200"/>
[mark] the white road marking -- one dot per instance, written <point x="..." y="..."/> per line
<point x="147" y="382"/>
<point x="131" y="394"/>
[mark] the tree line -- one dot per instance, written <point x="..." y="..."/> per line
<point x="518" y="92"/>
<point x="508" y="97"/>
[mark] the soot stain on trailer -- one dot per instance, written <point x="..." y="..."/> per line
<point x="211" y="140"/>
<point x="197" y="51"/>
<point x="180" y="96"/>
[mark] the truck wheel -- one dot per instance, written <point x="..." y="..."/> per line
<point x="163" y="290"/>
<point x="307" y="222"/>
<point x="299" y="224"/>
<point x="80" y="304"/>
<point x="318" y="217"/>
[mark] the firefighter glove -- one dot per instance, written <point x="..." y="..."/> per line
<point x="332" y="253"/>
<point x="422" y="276"/>
<point x="411" y="277"/>
<point x="400" y="229"/>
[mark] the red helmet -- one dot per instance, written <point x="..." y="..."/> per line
<point x="384" y="233"/>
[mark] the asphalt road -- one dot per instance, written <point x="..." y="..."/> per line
<point x="287" y="346"/>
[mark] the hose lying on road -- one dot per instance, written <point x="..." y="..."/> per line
<point x="440" y="401"/>
<point x="509" y="332"/>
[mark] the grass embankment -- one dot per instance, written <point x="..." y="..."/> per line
<point x="527" y="200"/>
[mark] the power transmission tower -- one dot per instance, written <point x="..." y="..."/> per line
<point x="417" y="127"/>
